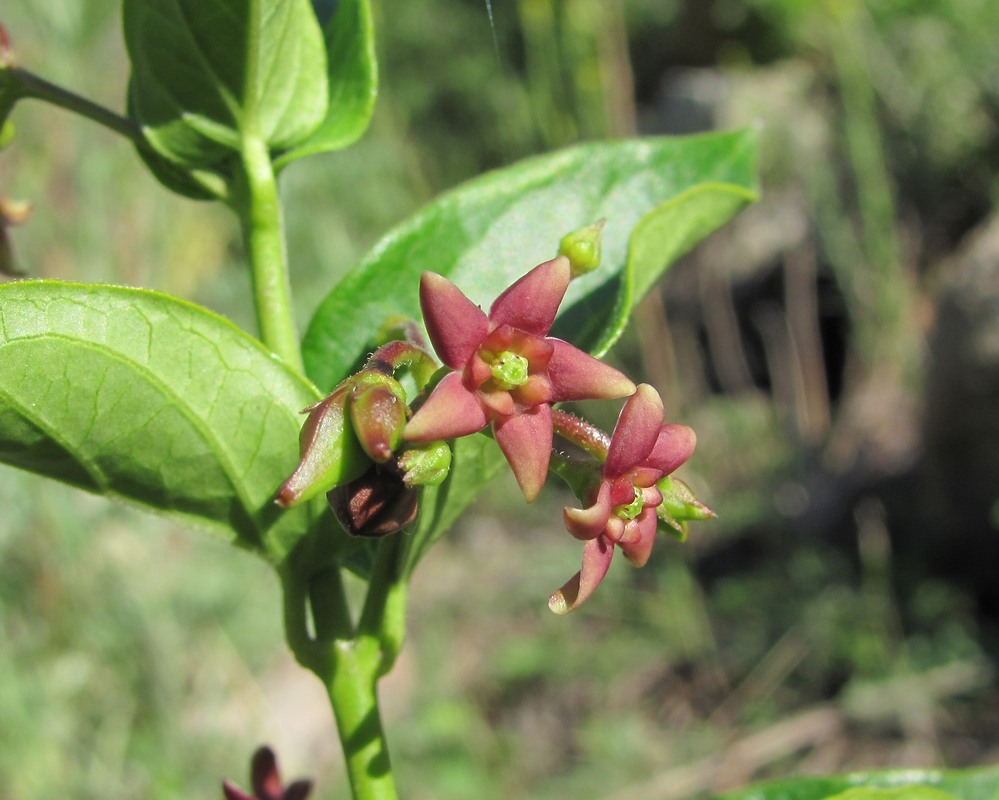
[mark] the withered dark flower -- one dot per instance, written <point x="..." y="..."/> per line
<point x="266" y="781"/>
<point x="376" y="504"/>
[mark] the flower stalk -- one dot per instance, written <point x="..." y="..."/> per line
<point x="256" y="202"/>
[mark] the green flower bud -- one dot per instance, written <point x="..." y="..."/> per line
<point x="330" y="452"/>
<point x="425" y="465"/>
<point x="679" y="506"/>
<point x="378" y="413"/>
<point x="582" y="248"/>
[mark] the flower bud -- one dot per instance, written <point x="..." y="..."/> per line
<point x="330" y="452"/>
<point x="680" y="505"/>
<point x="582" y="248"/>
<point x="426" y="465"/>
<point x="376" y="504"/>
<point x="378" y="413"/>
<point x="12" y="213"/>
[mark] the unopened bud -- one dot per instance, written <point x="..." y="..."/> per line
<point x="582" y="248"/>
<point x="425" y="465"/>
<point x="376" y="504"/>
<point x="378" y="413"/>
<point x="330" y="452"/>
<point x="679" y="506"/>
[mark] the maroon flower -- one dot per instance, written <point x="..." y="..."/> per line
<point x="266" y="781"/>
<point x="507" y="369"/>
<point x="622" y="508"/>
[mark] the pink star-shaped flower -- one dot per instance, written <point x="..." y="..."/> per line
<point x="622" y="508"/>
<point x="507" y="370"/>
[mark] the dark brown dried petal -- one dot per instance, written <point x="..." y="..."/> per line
<point x="376" y="504"/>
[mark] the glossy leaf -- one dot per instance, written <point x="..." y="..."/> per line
<point x="486" y="233"/>
<point x="905" y="784"/>
<point x="207" y="75"/>
<point x="143" y="397"/>
<point x="353" y="81"/>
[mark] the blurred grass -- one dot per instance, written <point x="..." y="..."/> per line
<point x="142" y="660"/>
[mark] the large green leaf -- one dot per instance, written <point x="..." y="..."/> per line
<point x="207" y="74"/>
<point x="146" y="398"/>
<point x="353" y="81"/>
<point x="905" y="784"/>
<point x="658" y="196"/>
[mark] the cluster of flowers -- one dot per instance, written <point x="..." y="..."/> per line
<point x="502" y="371"/>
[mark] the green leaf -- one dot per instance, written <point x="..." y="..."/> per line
<point x="205" y="75"/>
<point x="659" y="196"/>
<point x="905" y="784"/>
<point x="143" y="397"/>
<point x="353" y="82"/>
<point x="908" y="792"/>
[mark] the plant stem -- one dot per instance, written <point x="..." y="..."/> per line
<point x="350" y="659"/>
<point x="27" y="84"/>
<point x="353" y="695"/>
<point x="258" y="205"/>
<point x="22" y="85"/>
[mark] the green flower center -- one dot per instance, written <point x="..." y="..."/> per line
<point x="509" y="370"/>
<point x="632" y="509"/>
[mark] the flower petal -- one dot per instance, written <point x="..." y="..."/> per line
<point x="588" y="523"/>
<point x="576" y="375"/>
<point x="532" y="302"/>
<point x="526" y="441"/>
<point x="674" y="446"/>
<point x="535" y="391"/>
<point x="455" y="324"/>
<point x="639" y="536"/>
<point x="497" y="403"/>
<point x="233" y="792"/>
<point x="264" y="775"/>
<point x="597" y="555"/>
<point x="299" y="790"/>
<point x="636" y="431"/>
<point x="449" y="412"/>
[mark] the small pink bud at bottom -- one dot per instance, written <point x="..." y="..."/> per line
<point x="376" y="504"/>
<point x="265" y="779"/>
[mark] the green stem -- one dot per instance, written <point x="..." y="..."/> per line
<point x="22" y="85"/>
<point x="384" y="615"/>
<point x="259" y="208"/>
<point x="354" y="697"/>
<point x="27" y="84"/>
<point x="348" y="660"/>
<point x="581" y="433"/>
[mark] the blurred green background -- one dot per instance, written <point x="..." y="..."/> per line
<point x="836" y="349"/>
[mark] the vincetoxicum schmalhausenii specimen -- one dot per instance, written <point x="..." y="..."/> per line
<point x="137" y="395"/>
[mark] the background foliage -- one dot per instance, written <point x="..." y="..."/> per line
<point x="833" y="349"/>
